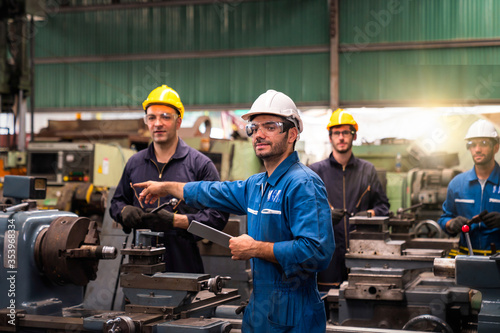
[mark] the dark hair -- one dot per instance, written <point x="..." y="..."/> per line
<point x="287" y="124"/>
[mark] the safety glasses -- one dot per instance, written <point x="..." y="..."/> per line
<point x="480" y="143"/>
<point x="164" y="118"/>
<point x="344" y="133"/>
<point x="268" y="128"/>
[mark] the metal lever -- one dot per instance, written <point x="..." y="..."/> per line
<point x="173" y="202"/>
<point x="16" y="208"/>
<point x="465" y="230"/>
<point x="115" y="322"/>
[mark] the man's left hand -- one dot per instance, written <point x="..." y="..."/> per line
<point x="160" y="221"/>
<point x="242" y="247"/>
<point x="492" y="220"/>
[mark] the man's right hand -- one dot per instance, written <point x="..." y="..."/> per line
<point x="337" y="215"/>
<point x="152" y="191"/>
<point x="454" y="226"/>
<point x="131" y="217"/>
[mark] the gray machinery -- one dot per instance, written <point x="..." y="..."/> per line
<point x="163" y="301"/>
<point x="391" y="282"/>
<point x="427" y="187"/>
<point x="49" y="257"/>
<point x="429" y="183"/>
<point x="481" y="273"/>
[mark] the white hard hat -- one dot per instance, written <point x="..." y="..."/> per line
<point x="482" y="129"/>
<point x="275" y="103"/>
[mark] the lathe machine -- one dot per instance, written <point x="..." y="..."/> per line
<point x="394" y="285"/>
<point x="49" y="256"/>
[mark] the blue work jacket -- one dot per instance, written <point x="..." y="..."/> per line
<point x="186" y="165"/>
<point x="466" y="198"/>
<point x="289" y="209"/>
<point x="355" y="188"/>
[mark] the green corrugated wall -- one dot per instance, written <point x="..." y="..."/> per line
<point x="72" y="71"/>
<point x="376" y="21"/>
<point x="432" y="76"/>
<point x="78" y="61"/>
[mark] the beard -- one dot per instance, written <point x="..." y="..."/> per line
<point x="345" y="149"/>
<point x="277" y="149"/>
<point x="486" y="159"/>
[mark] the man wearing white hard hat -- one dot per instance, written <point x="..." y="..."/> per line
<point x="168" y="157"/>
<point x="476" y="193"/>
<point x="290" y="235"/>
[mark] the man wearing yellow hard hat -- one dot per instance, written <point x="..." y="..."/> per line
<point x="168" y="158"/>
<point x="353" y="188"/>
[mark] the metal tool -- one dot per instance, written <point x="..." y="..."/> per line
<point x="173" y="202"/>
<point x="213" y="235"/>
<point x="477" y="218"/>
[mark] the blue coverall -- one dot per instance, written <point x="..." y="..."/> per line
<point x="289" y="209"/>
<point x="187" y="164"/>
<point x="466" y="198"/>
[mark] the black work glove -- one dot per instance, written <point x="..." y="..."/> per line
<point x="492" y="220"/>
<point x="454" y="226"/>
<point x="337" y="215"/>
<point x="131" y="217"/>
<point x="183" y="233"/>
<point x="162" y="220"/>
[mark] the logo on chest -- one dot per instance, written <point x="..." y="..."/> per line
<point x="274" y="196"/>
<point x="496" y="189"/>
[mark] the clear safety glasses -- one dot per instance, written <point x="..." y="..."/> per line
<point x="164" y="118"/>
<point x="268" y="128"/>
<point x="480" y="143"/>
<point x="344" y="133"/>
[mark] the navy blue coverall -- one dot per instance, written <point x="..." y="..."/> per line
<point x="186" y="165"/>
<point x="356" y="188"/>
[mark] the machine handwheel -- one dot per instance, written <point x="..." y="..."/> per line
<point x="120" y="324"/>
<point x="428" y="229"/>
<point x="423" y="322"/>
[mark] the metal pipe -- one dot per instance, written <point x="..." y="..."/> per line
<point x="132" y="5"/>
<point x="16" y="208"/>
<point x="32" y="78"/>
<point x="334" y="54"/>
<point x="21" y="116"/>
<point x="442" y="44"/>
<point x="93" y="252"/>
<point x="186" y="55"/>
<point x="444" y="267"/>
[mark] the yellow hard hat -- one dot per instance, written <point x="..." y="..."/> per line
<point x="342" y="117"/>
<point x="164" y="95"/>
